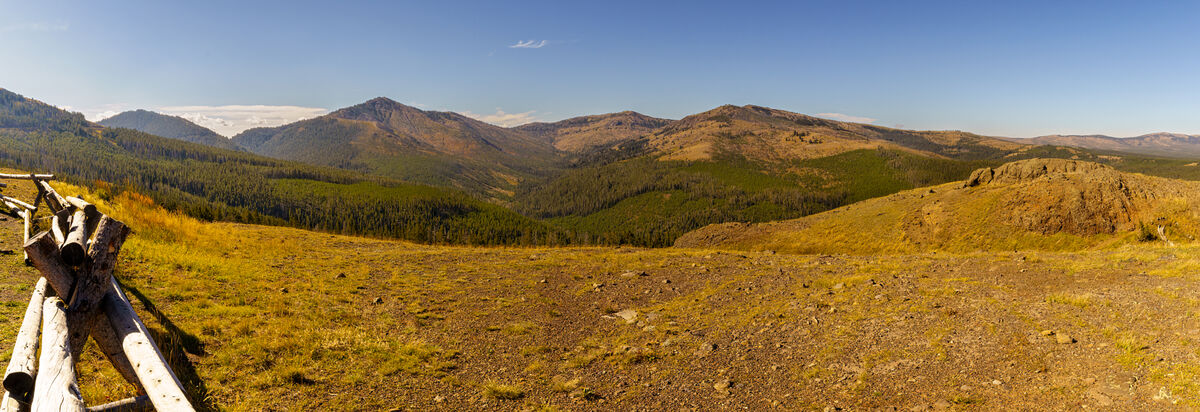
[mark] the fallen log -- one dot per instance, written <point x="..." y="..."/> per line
<point x="18" y="378"/>
<point x="56" y="388"/>
<point x="136" y="404"/>
<point x="161" y="384"/>
<point x="74" y="248"/>
<point x="55" y="201"/>
<point x="26" y="176"/>
<point x="43" y="254"/>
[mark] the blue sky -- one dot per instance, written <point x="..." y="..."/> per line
<point x="1002" y="68"/>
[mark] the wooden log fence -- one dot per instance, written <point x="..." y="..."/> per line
<point x="75" y="298"/>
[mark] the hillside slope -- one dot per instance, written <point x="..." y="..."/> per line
<point x="1155" y="144"/>
<point x="173" y="127"/>
<point x="1051" y="204"/>
<point x="218" y="184"/>
<point x="578" y="134"/>
<point x="390" y="139"/>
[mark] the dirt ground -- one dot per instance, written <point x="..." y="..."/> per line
<point x="282" y="319"/>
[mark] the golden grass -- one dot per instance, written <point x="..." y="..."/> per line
<point x="1077" y="300"/>
<point x="501" y="391"/>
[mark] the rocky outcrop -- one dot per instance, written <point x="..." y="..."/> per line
<point x="1030" y="169"/>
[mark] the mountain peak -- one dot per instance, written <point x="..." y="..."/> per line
<point x="173" y="127"/>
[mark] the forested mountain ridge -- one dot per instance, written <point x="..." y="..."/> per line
<point x="168" y="126"/>
<point x="769" y="135"/>
<point x="219" y="184"/>
<point x="390" y="139"/>
<point x="579" y="134"/>
<point x="748" y="164"/>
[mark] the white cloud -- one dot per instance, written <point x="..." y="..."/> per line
<point x="847" y="118"/>
<point x="37" y="26"/>
<point x="234" y="119"/>
<point x="529" y="44"/>
<point x="500" y="118"/>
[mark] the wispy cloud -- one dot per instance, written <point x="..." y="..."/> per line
<point x="529" y="44"/>
<point x="233" y="119"/>
<point x="37" y="26"/>
<point x="847" y="118"/>
<point x="500" y="118"/>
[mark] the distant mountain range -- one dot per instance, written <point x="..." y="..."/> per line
<point x="173" y="127"/>
<point x="618" y="178"/>
<point x="1154" y="144"/>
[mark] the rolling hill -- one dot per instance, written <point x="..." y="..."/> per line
<point x="768" y="135"/>
<point x="390" y="139"/>
<point x="1044" y="204"/>
<point x="1154" y="144"/>
<point x="748" y="164"/>
<point x="586" y="132"/>
<point x="218" y="184"/>
<point x="173" y="127"/>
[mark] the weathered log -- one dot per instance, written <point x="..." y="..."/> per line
<point x="110" y="344"/>
<point x="10" y="201"/>
<point x="136" y="404"/>
<point x="25" y="238"/>
<point x="56" y="388"/>
<point x="93" y="279"/>
<point x="60" y="224"/>
<point x="92" y="282"/>
<point x="26" y="176"/>
<point x="43" y="254"/>
<point x="161" y="384"/>
<point x="74" y="248"/>
<point x="18" y="378"/>
<point x="11" y="404"/>
<point x="54" y="200"/>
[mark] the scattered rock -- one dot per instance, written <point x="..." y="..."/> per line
<point x="1063" y="338"/>
<point x="378" y="300"/>
<point x="839" y="285"/>
<point x="283" y="290"/>
<point x="705" y="349"/>
<point x="1100" y="398"/>
<point x="941" y="405"/>
<point x="1047" y="332"/>
<point x="439" y="399"/>
<point x="340" y="276"/>
<point x="722" y="386"/>
<point x="629" y="315"/>
<point x="634" y="274"/>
